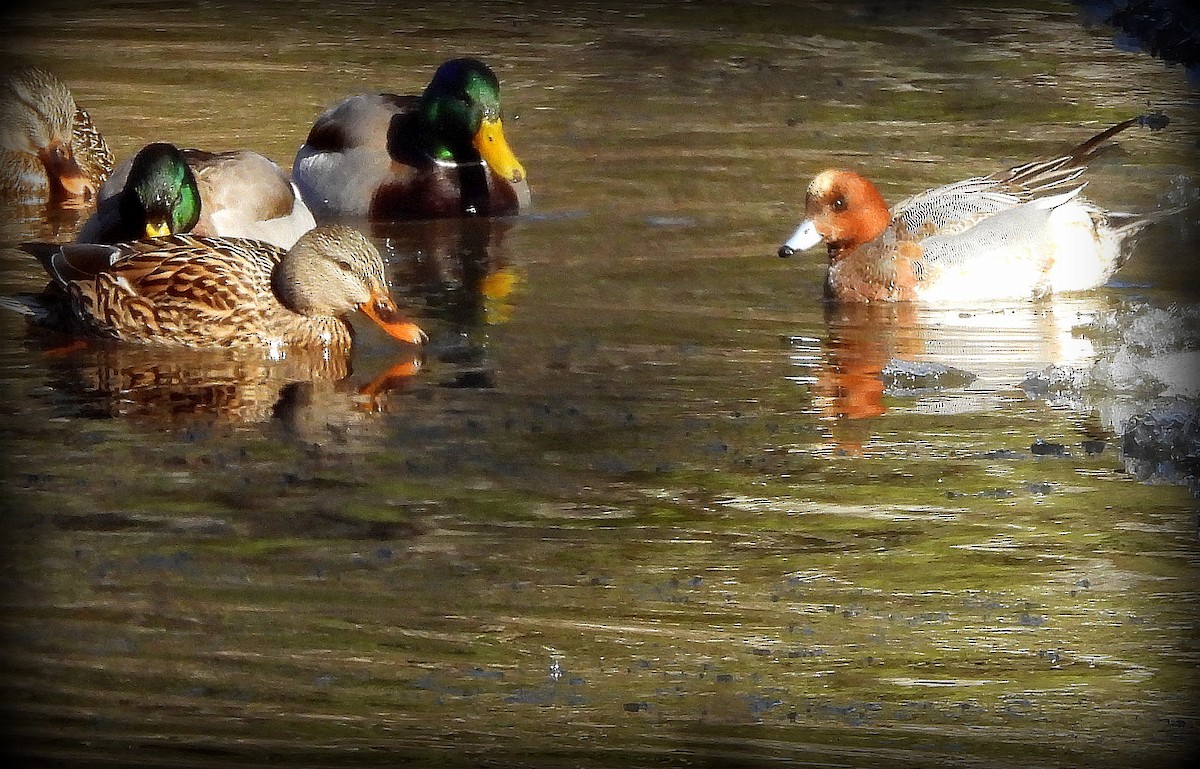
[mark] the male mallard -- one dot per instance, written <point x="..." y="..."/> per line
<point x="188" y="291"/>
<point x="49" y="147"/>
<point x="440" y="154"/>
<point x="164" y="190"/>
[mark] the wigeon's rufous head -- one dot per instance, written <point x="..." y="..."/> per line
<point x="843" y="209"/>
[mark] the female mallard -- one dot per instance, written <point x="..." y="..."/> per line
<point x="440" y="154"/>
<point x="164" y="190"/>
<point x="187" y="291"/>
<point x="49" y="148"/>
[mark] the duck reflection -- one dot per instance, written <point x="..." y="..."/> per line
<point x="876" y="357"/>
<point x="460" y="270"/>
<point x="57" y="221"/>
<point x="457" y="265"/>
<point x="860" y="340"/>
<point x="189" y="387"/>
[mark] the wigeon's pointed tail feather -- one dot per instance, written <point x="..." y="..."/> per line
<point x="1130" y="223"/>
<point x="1085" y="152"/>
<point x="1044" y="175"/>
<point x="1048" y="202"/>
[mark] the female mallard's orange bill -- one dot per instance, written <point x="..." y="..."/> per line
<point x="496" y="153"/>
<point x="78" y="186"/>
<point x="382" y="310"/>
<point x="65" y="174"/>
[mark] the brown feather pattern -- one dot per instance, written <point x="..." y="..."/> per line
<point x="188" y="291"/>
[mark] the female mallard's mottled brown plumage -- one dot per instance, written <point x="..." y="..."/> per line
<point x="187" y="291"/>
<point x="49" y="147"/>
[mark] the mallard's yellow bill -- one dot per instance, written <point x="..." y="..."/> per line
<point x="496" y="153"/>
<point x="157" y="229"/>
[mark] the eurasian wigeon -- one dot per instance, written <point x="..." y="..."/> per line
<point x="1017" y="234"/>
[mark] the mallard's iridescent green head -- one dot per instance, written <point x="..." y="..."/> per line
<point x="160" y="195"/>
<point x="460" y="113"/>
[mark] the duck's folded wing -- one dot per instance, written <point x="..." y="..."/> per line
<point x="194" y="274"/>
<point x="950" y="209"/>
<point x="183" y="296"/>
<point x="247" y="195"/>
<point x="245" y="185"/>
<point x="1017" y="236"/>
<point x="179" y="269"/>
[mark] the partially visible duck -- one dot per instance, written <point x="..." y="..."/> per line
<point x="165" y="190"/>
<point x="188" y="291"/>
<point x="1017" y="234"/>
<point x="50" y="149"/>
<point x="441" y="154"/>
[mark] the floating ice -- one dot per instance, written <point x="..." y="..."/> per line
<point x="1145" y="387"/>
<point x="901" y="377"/>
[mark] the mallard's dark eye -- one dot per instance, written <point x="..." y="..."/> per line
<point x="839" y="204"/>
<point x="345" y="266"/>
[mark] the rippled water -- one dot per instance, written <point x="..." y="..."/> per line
<point x="647" y="502"/>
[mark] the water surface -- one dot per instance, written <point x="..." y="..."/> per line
<point x="648" y="501"/>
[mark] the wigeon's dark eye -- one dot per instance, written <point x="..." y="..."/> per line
<point x="839" y="204"/>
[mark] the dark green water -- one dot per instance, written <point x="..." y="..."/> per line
<point x="654" y="505"/>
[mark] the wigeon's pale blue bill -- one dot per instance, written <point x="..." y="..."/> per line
<point x="805" y="237"/>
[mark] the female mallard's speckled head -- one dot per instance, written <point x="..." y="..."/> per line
<point x="334" y="270"/>
<point x="460" y="115"/>
<point x="160" y="196"/>
<point x="38" y="119"/>
<point x="36" y="110"/>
